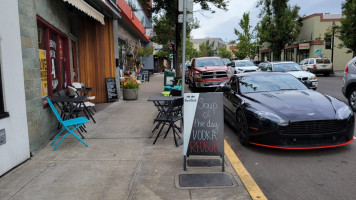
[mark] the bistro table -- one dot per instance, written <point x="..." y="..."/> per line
<point x="85" y="90"/>
<point x="161" y="102"/>
<point x="75" y="102"/>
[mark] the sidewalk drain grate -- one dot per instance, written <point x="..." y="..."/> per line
<point x="203" y="162"/>
<point x="205" y="180"/>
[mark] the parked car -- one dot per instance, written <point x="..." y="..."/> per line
<point x="349" y="83"/>
<point x="276" y="110"/>
<point x="317" y="65"/>
<point x="239" y="66"/>
<point x="226" y="61"/>
<point x="262" y="65"/>
<point x="293" y="69"/>
<point x="207" y="72"/>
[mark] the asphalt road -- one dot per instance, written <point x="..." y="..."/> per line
<point x="302" y="174"/>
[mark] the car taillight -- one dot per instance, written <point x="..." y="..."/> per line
<point x="314" y="66"/>
<point x="346" y="69"/>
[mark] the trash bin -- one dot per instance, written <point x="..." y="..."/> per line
<point x="169" y="77"/>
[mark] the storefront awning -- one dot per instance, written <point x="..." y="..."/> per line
<point x="87" y="9"/>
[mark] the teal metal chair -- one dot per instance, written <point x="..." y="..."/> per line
<point x="76" y="122"/>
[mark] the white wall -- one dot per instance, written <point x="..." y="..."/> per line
<point x="16" y="148"/>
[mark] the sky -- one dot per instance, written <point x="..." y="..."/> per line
<point x="221" y="24"/>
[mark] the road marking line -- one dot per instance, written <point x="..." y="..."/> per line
<point x="250" y="184"/>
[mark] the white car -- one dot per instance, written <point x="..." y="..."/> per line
<point x="293" y="69"/>
<point x="240" y="66"/>
<point x="317" y="65"/>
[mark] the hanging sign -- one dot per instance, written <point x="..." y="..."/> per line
<point x="203" y="124"/>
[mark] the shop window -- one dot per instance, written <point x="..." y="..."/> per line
<point x="54" y="61"/>
<point x="3" y="114"/>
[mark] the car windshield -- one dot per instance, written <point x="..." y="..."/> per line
<point x="268" y="83"/>
<point x="286" y="67"/>
<point x="244" y="64"/>
<point x="226" y="61"/>
<point x="209" y="62"/>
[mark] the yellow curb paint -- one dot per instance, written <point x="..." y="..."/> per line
<point x="250" y="184"/>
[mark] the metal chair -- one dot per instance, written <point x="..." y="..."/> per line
<point x="170" y="116"/>
<point x="76" y="122"/>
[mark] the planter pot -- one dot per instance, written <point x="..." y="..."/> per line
<point x="130" y="94"/>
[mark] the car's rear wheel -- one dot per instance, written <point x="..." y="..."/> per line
<point x="352" y="98"/>
<point x="241" y="127"/>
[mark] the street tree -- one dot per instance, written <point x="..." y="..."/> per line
<point x="280" y="24"/>
<point x="348" y="26"/>
<point x="206" y="49"/>
<point x="245" y="46"/>
<point x="170" y="10"/>
<point x="190" y="52"/>
<point x="223" y="52"/>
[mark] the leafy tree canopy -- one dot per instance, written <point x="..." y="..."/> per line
<point x="348" y="25"/>
<point x="245" y="47"/>
<point x="280" y="24"/>
<point x="206" y="49"/>
<point x="223" y="52"/>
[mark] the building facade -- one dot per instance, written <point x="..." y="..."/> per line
<point x="218" y="42"/>
<point x="310" y="39"/>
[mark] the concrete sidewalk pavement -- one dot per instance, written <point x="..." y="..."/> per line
<point x="120" y="163"/>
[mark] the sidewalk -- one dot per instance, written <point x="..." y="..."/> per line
<point x="120" y="163"/>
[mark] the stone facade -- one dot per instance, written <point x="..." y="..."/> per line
<point x="41" y="121"/>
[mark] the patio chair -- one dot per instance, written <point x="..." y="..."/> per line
<point x="73" y="91"/>
<point x="75" y="122"/>
<point x="79" y="85"/>
<point x="169" y="117"/>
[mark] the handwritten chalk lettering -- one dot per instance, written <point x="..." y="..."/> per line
<point x="210" y="106"/>
<point x="203" y="135"/>
<point x="204" y="146"/>
<point x="198" y="123"/>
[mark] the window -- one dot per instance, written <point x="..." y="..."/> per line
<point x="3" y="114"/>
<point x="54" y="59"/>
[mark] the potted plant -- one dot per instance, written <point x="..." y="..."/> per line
<point x="130" y="90"/>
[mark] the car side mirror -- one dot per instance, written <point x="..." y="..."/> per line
<point x="232" y="64"/>
<point x="308" y="83"/>
<point x="226" y="88"/>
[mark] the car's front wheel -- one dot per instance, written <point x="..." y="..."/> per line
<point x="241" y="127"/>
<point x="352" y="98"/>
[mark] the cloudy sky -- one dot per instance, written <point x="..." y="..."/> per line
<point x="221" y="24"/>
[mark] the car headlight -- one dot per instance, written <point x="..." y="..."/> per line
<point x="263" y="115"/>
<point x="312" y="78"/>
<point x="344" y="112"/>
<point x="198" y="76"/>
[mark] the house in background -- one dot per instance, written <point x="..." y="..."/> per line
<point x="310" y="39"/>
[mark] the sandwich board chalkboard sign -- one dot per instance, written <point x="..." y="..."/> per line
<point x="203" y="125"/>
<point x="111" y="89"/>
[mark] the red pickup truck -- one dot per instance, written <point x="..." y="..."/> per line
<point x="207" y="72"/>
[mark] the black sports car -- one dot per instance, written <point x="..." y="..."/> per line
<point x="277" y="110"/>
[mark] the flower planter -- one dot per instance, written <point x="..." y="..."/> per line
<point x="130" y="94"/>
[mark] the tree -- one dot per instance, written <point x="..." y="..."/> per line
<point x="223" y="52"/>
<point x="280" y="24"/>
<point x="245" y="47"/>
<point x="348" y="26"/>
<point x="190" y="52"/>
<point x="170" y="8"/>
<point x="206" y="49"/>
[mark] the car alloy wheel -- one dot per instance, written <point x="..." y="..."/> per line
<point x="241" y="127"/>
<point x="352" y="98"/>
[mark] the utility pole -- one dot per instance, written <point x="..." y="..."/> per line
<point x="332" y="43"/>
